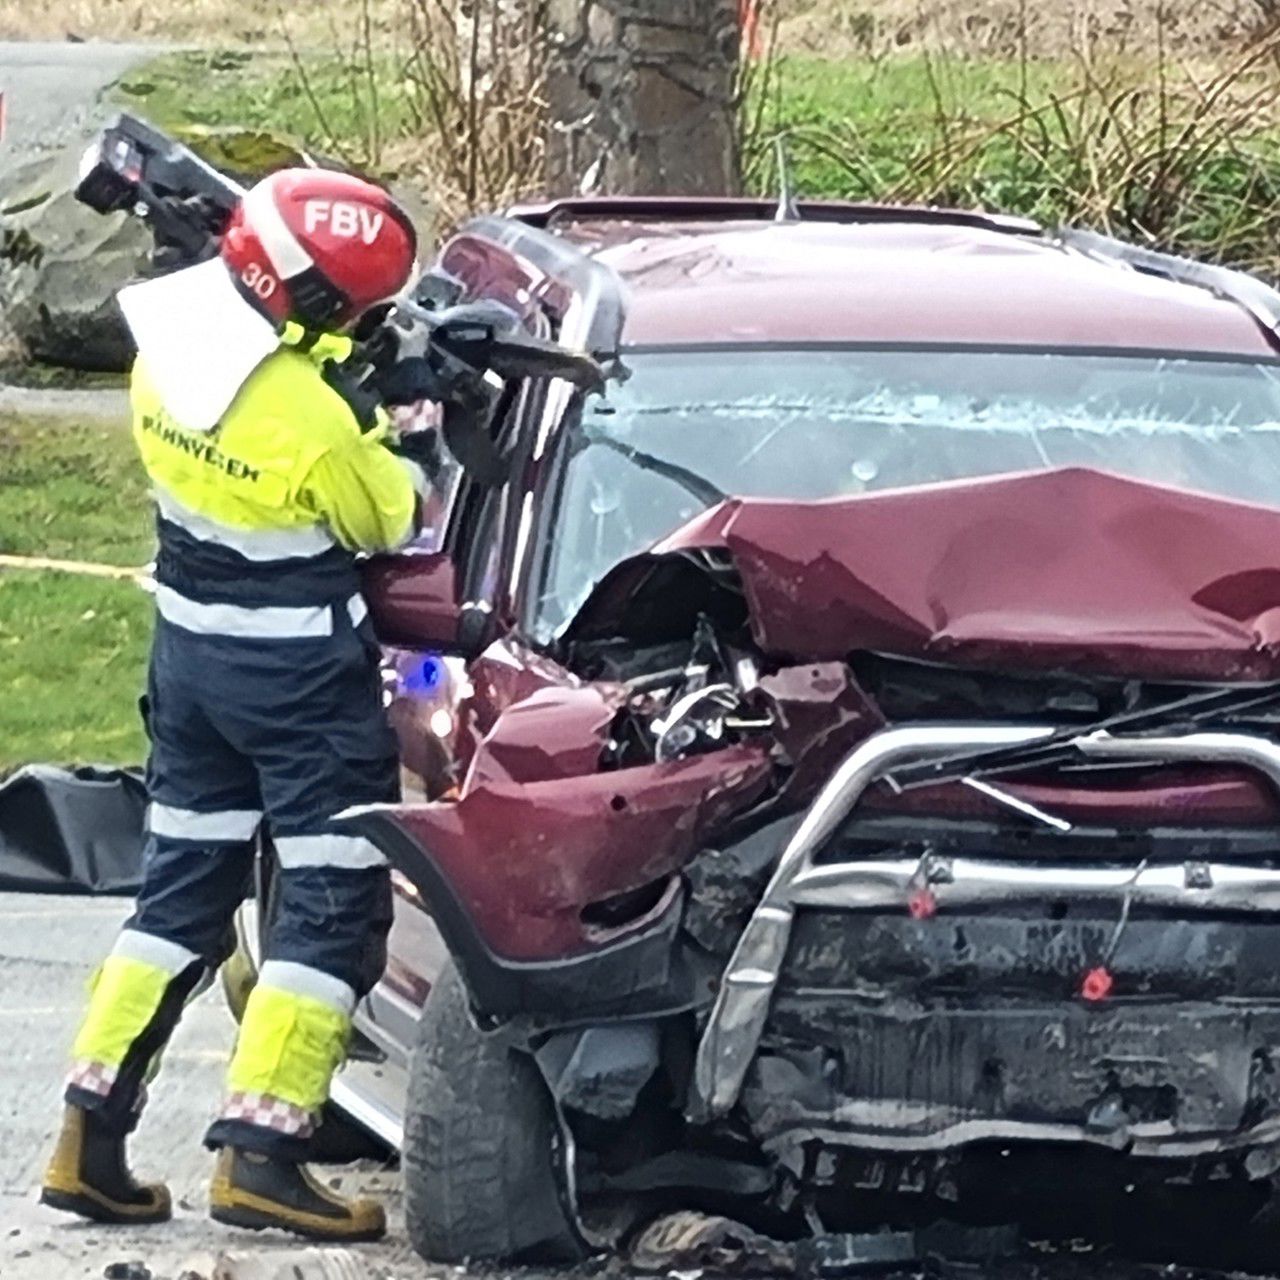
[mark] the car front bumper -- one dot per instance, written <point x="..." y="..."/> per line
<point x="1148" y="1078"/>
<point x="803" y="883"/>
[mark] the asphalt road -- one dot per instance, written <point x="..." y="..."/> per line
<point x="48" y="948"/>
<point x="105" y="404"/>
<point x="51" y="93"/>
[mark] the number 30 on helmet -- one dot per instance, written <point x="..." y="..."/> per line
<point x="318" y="247"/>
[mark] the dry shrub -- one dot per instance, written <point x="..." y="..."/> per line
<point x="445" y="96"/>
<point x="1181" y="156"/>
<point x="1165" y="150"/>
<point x="1005" y="28"/>
<point x="473" y="81"/>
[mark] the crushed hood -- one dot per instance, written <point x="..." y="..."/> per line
<point x="1069" y="569"/>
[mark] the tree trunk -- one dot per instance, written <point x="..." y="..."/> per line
<point x="642" y="97"/>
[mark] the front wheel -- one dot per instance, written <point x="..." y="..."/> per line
<point x="481" y="1176"/>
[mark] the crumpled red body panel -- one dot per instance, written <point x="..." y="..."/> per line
<point x="553" y="733"/>
<point x="526" y="858"/>
<point x="1210" y="795"/>
<point x="1071" y="569"/>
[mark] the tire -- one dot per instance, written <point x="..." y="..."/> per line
<point x="481" y="1177"/>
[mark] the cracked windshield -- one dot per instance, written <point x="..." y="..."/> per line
<point x="689" y="428"/>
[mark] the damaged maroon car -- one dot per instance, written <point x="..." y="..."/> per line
<point x="840" y="784"/>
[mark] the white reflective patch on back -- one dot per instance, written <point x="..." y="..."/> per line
<point x="198" y="338"/>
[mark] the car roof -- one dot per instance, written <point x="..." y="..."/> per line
<point x="947" y="279"/>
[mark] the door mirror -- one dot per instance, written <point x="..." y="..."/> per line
<point x="413" y="600"/>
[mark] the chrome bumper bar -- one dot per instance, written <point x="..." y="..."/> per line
<point x="742" y="1004"/>
<point x="964" y="882"/>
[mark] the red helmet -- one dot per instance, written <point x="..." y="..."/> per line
<point x="319" y="247"/>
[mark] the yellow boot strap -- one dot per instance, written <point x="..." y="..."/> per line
<point x="289" y="1047"/>
<point x="126" y="994"/>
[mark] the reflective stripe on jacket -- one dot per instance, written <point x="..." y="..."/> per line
<point x="266" y="509"/>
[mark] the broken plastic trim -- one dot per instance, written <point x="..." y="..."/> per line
<point x="737" y="1020"/>
<point x="742" y="1005"/>
<point x="598" y="291"/>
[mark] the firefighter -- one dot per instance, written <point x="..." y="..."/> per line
<point x="263" y="697"/>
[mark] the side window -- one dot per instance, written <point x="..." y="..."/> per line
<point x="485" y="562"/>
<point x="479" y="534"/>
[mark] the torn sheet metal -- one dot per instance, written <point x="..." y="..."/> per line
<point x="1071" y="569"/>
<point x="690" y="1243"/>
<point x="71" y="830"/>
<point x="819" y="711"/>
<point x="526" y="858"/>
<point x="553" y="733"/>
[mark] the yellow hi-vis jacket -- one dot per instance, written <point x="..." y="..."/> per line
<point x="287" y="457"/>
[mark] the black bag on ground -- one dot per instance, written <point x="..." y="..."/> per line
<point x="71" y="830"/>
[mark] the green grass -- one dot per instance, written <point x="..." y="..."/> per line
<point x="72" y="656"/>
<point x="1180" y="156"/>
<point x="322" y="103"/>
<point x="855" y="128"/>
<point x="72" y="649"/>
<point x="1184" y="155"/>
<point x="73" y="491"/>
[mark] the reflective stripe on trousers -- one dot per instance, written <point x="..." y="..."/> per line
<point x="350" y="852"/>
<point x="226" y="826"/>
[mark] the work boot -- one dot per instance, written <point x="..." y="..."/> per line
<point x="255" y="1191"/>
<point x="88" y="1175"/>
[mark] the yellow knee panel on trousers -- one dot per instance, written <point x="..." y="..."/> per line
<point x="289" y="1047"/>
<point x="125" y="996"/>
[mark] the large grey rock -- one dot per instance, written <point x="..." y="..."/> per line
<point x="60" y="266"/>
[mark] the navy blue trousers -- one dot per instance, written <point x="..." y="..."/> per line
<point x="286" y="731"/>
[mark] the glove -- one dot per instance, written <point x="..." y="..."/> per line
<point x="424" y="448"/>
<point x="185" y="231"/>
<point x="408" y="381"/>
